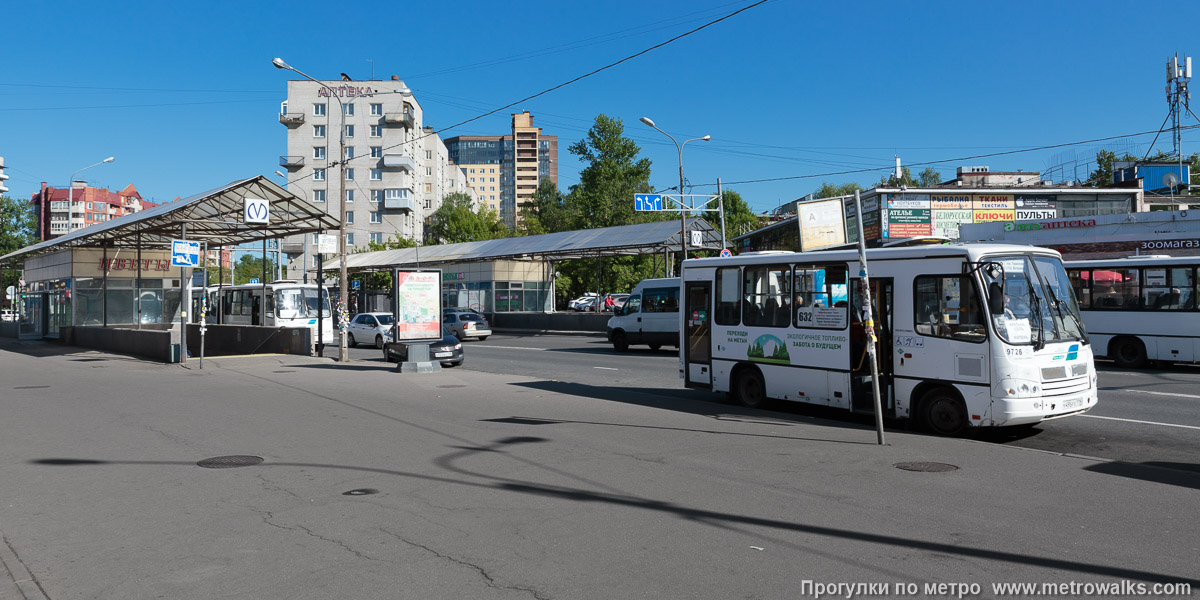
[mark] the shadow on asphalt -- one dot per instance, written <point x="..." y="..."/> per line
<point x="456" y="475"/>
<point x="1169" y="473"/>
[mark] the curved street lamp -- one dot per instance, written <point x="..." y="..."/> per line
<point x="71" y="192"/>
<point x="343" y="350"/>
<point x="682" y="214"/>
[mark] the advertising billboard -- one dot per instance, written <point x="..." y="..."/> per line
<point x="908" y="200"/>
<point x="908" y="222"/>
<point x="950" y="201"/>
<point x="821" y="225"/>
<point x="993" y="202"/>
<point x="1036" y="207"/>
<point x="418" y="305"/>
<point x="946" y="222"/>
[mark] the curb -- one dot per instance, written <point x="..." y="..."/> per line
<point x="25" y="582"/>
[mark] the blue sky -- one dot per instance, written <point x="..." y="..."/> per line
<point x="185" y="97"/>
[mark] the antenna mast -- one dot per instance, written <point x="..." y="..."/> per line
<point x="1179" y="73"/>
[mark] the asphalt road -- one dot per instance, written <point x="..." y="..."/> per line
<point x="1145" y="416"/>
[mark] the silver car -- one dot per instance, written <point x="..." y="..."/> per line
<point x="466" y="324"/>
<point x="369" y="328"/>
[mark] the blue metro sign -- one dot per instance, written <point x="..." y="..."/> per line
<point x="647" y="201"/>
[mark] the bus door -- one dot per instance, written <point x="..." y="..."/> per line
<point x="697" y="347"/>
<point x="861" y="394"/>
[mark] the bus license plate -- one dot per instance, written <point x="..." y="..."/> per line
<point x="1075" y="403"/>
<point x="442" y="354"/>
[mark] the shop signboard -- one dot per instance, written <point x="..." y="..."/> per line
<point x="909" y="222"/>
<point x="993" y="202"/>
<point x="993" y="215"/>
<point x="946" y="222"/>
<point x="908" y="200"/>
<point x="821" y="225"/>
<point x="950" y="201"/>
<point x="418" y="305"/>
<point x="1035" y="207"/>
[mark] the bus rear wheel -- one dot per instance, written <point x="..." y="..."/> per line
<point x="749" y="388"/>
<point x="942" y="413"/>
<point x="1128" y="353"/>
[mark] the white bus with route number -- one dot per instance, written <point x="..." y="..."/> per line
<point x="1141" y="308"/>
<point x="969" y="335"/>
<point x="288" y="304"/>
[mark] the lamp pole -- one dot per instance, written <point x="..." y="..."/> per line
<point x="343" y="351"/>
<point x="683" y="242"/>
<point x="71" y="192"/>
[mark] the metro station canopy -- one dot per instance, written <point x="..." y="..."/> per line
<point x="622" y="240"/>
<point x="214" y="216"/>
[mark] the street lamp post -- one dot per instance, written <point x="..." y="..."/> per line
<point x="343" y="350"/>
<point x="71" y="191"/>
<point x="682" y="213"/>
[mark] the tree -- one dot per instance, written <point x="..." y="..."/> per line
<point x="829" y="190"/>
<point x="250" y="266"/>
<point x="547" y="213"/>
<point x="929" y="178"/>
<point x="17" y="225"/>
<point x="739" y="219"/>
<point x="455" y="222"/>
<point x="612" y="175"/>
<point x="1102" y="176"/>
<point x="905" y="178"/>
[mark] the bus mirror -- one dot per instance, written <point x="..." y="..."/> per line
<point x="996" y="298"/>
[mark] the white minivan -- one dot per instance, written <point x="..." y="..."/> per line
<point x="650" y="316"/>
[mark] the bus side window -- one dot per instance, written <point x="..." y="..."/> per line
<point x="1081" y="281"/>
<point x="948" y="306"/>
<point x="727" y="296"/>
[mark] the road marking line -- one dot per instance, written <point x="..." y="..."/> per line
<point x="606" y="368"/>
<point x="1163" y="394"/>
<point x="512" y="348"/>
<point x="1137" y="421"/>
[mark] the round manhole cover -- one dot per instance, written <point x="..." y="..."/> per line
<point x="361" y="492"/>
<point x="230" y="462"/>
<point x="453" y="385"/>
<point x="926" y="467"/>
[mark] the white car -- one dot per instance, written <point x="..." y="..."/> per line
<point x="582" y="301"/>
<point x="369" y="328"/>
<point x="8" y="315"/>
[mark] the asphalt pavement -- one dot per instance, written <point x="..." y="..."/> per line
<point x="468" y="484"/>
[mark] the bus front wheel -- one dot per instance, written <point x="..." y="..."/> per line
<point x="750" y="389"/>
<point x="620" y="344"/>
<point x="943" y="413"/>
<point x="1128" y="353"/>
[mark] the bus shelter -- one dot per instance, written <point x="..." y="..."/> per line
<point x="119" y="274"/>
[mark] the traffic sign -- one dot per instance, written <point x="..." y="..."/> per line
<point x="697" y="238"/>
<point x="185" y="253"/>
<point x="647" y="201"/>
<point x="9" y="291"/>
<point x="725" y="253"/>
<point x="355" y="284"/>
<point x="254" y="280"/>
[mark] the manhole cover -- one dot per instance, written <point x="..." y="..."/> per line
<point x="926" y="467"/>
<point x="361" y="492"/>
<point x="230" y="462"/>
<point x="454" y="385"/>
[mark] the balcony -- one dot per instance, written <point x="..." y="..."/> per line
<point x="290" y="119"/>
<point x="405" y="118"/>
<point x="399" y="161"/>
<point x="295" y="247"/>
<point x="291" y="162"/>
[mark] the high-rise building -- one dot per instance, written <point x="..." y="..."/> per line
<point x="394" y="174"/>
<point x="56" y="216"/>
<point x="506" y="170"/>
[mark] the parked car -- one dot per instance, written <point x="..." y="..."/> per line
<point x="466" y="324"/>
<point x="618" y="301"/>
<point x="448" y="350"/>
<point x="369" y="328"/>
<point x="585" y="300"/>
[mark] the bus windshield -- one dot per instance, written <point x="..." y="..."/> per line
<point x="289" y="304"/>
<point x="1039" y="304"/>
<point x="313" y="306"/>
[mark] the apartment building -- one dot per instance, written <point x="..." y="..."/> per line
<point x="506" y="170"/>
<point x="394" y="174"/>
<point x="60" y="211"/>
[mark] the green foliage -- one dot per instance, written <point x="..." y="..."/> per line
<point x="829" y="190"/>
<point x="548" y="213"/>
<point x="1102" y="176"/>
<point x="17" y="230"/>
<point x="612" y="175"/>
<point x="250" y="266"/>
<point x="929" y="178"/>
<point x="905" y="178"/>
<point x="739" y="219"/>
<point x="454" y="222"/>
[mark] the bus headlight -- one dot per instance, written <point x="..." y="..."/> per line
<point x="1017" y="388"/>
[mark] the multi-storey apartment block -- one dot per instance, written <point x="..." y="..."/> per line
<point x="505" y="171"/>
<point x="60" y="211"/>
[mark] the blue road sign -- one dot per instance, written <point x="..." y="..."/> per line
<point x="185" y="253"/>
<point x="725" y="253"/>
<point x="253" y="280"/>
<point x="355" y="284"/>
<point x="647" y="201"/>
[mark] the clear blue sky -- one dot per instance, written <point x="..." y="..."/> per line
<point x="185" y="97"/>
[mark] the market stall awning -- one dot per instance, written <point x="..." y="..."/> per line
<point x="214" y="216"/>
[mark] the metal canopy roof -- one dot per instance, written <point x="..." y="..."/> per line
<point x="623" y="240"/>
<point x="214" y="216"/>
